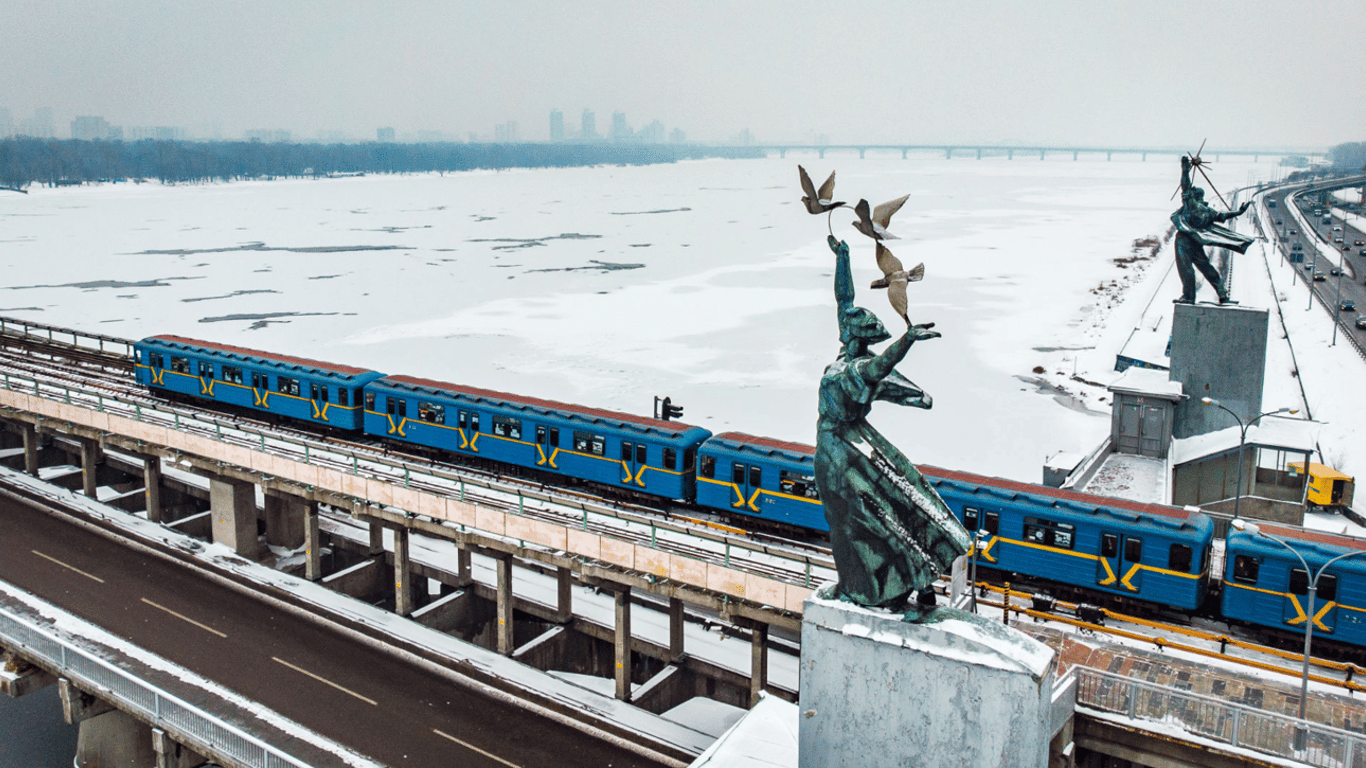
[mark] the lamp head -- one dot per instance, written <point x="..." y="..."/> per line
<point x="1209" y="401"/>
<point x="1243" y="525"/>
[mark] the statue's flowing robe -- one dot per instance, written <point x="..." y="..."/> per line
<point x="890" y="532"/>
<point x="1201" y="223"/>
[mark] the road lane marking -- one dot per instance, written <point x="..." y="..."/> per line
<point x="325" y="680"/>
<point x="468" y="745"/>
<point x="64" y="565"/>
<point x="182" y="617"/>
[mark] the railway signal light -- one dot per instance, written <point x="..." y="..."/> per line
<point x="667" y="410"/>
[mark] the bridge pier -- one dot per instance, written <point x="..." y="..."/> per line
<point x="1041" y="153"/>
<point x="503" y="565"/>
<point x="23" y="678"/>
<point x="622" y="642"/>
<point x="403" y="574"/>
<point x="758" y="661"/>
<point x="79" y="706"/>
<point x="1010" y="154"/>
<point x="677" y="622"/>
<point x="948" y="153"/>
<point x="31" y="444"/>
<point x="782" y="152"/>
<point x="1145" y="157"/>
<point x="286" y="515"/>
<point x="903" y="153"/>
<point x="171" y="754"/>
<point x="1107" y="156"/>
<point x="90" y="464"/>
<point x="822" y="152"/>
<point x="313" y="545"/>
<point x="979" y="153"/>
<point x="114" y="740"/>
<point x="151" y="483"/>
<point x="1074" y="155"/>
<point x="860" y="153"/>
<point x="564" y="597"/>
<point x="233" y="503"/>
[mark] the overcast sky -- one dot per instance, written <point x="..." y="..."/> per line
<point x="1242" y="74"/>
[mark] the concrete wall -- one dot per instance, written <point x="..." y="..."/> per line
<point x="1218" y="352"/>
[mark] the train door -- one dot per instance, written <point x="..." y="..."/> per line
<point x="748" y="479"/>
<point x="1297" y="601"/>
<point x="318" y="394"/>
<point x="1119" y="558"/>
<point x="633" y="457"/>
<point x="547" y="439"/>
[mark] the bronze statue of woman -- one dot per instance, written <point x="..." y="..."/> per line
<point x="891" y="533"/>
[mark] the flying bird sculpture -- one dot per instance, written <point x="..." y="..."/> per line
<point x="895" y="278"/>
<point x="875" y="226"/>
<point x="822" y="201"/>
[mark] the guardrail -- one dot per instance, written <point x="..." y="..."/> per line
<point x="54" y="334"/>
<point x="1237" y="725"/>
<point x="189" y="724"/>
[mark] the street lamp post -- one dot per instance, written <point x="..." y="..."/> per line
<point x="1242" y="438"/>
<point x="1313" y="577"/>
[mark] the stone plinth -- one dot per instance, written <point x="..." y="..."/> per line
<point x="1218" y="352"/>
<point x="954" y="690"/>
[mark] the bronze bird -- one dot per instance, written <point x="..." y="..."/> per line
<point x="875" y="226"/>
<point x="818" y="202"/>
<point x="895" y="278"/>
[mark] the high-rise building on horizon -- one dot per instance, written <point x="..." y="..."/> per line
<point x="556" y="125"/>
<point x="620" y="130"/>
<point x="385" y="135"/>
<point x="6" y="123"/>
<point x="589" y="130"/>
<point x="89" y="128"/>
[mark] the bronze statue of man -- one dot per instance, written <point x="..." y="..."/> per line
<point x="890" y="532"/>
<point x="1197" y="225"/>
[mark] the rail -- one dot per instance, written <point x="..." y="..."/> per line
<point x="191" y="725"/>
<point x="1237" y="725"/>
<point x="57" y="335"/>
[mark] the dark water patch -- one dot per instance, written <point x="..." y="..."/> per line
<point x="530" y="242"/>
<point x="640" y="245"/>
<point x="228" y="295"/>
<point x="261" y="247"/>
<point x="392" y="230"/>
<point x="22" y="309"/>
<point x="593" y="264"/>
<point x="443" y="250"/>
<point x="1061" y="395"/>
<point x="267" y="269"/>
<point x="1060" y="349"/>
<point x="94" y="285"/>
<point x="263" y="319"/>
<point x="642" y="213"/>
<point x="324" y="277"/>
<point x="478" y="218"/>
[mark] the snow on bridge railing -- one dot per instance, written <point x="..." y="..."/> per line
<point x="1210" y="719"/>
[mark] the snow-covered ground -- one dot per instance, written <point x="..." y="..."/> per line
<point x="706" y="281"/>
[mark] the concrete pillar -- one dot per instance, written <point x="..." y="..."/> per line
<point x="233" y="503"/>
<point x="114" y="740"/>
<point x="1010" y="154"/>
<point x="403" y="574"/>
<point x="31" y="443"/>
<point x="376" y="539"/>
<point x="948" y="153"/>
<point x="822" y="151"/>
<point x="151" y="481"/>
<point x="463" y="570"/>
<point x="676" y="625"/>
<point x="1074" y="156"/>
<point x="285" y="519"/>
<point x="22" y="678"/>
<point x="979" y="153"/>
<point x="171" y="754"/>
<point x="564" y="605"/>
<point x="622" y="643"/>
<point x="1145" y="157"/>
<point x="903" y="153"/>
<point x="860" y="153"/>
<point x="90" y="464"/>
<point x="79" y="706"/>
<point x="1041" y="153"/>
<point x="758" y="661"/>
<point x="313" y="545"/>
<point x="504" y="567"/>
<point x="1107" y="156"/>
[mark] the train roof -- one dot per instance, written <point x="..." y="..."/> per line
<point x="302" y="362"/>
<point x="740" y="439"/>
<point x="415" y="384"/>
<point x="1308" y="535"/>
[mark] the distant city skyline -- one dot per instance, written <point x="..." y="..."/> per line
<point x="1160" y="73"/>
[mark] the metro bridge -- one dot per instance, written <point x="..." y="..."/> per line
<point x="1042" y="150"/>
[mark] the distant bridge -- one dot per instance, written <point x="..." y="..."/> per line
<point x="1009" y="152"/>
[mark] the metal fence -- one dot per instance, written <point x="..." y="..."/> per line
<point x="1237" y="725"/>
<point x="190" y="725"/>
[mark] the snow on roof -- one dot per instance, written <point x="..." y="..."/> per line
<point x="1296" y="435"/>
<point x="1126" y="476"/>
<point x="1064" y="460"/>
<point x="764" y="738"/>
<point x="1146" y="381"/>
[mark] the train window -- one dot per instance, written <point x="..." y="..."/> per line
<point x="708" y="466"/>
<point x="626" y="451"/>
<point x="1245" y="569"/>
<point x="260" y="381"/>
<point x="509" y="428"/>
<point x="432" y="413"/>
<point x="641" y="455"/>
<point x="554" y="437"/>
<point x="737" y="474"/>
<point x="313" y="393"/>
<point x="796" y="484"/>
<point x="155" y="359"/>
<point x="462" y="419"/>
<point x="180" y="364"/>
<point x="205" y="370"/>
<point x="1328" y="587"/>
<point x="756" y="476"/>
<point x="232" y="373"/>
<point x="1133" y="549"/>
<point x="286" y="385"/>
<point x="688" y="458"/>
<point x="369" y="401"/>
<point x="1179" y="558"/>
<point x="540" y="434"/>
<point x="970" y="518"/>
<point x="993" y="522"/>
<point x="670" y="458"/>
<point x="587" y="442"/>
<point x="389" y="405"/>
<point x="343" y="396"/>
<point x="1048" y="532"/>
<point x="1109" y="544"/>
<point x="1299" y="581"/>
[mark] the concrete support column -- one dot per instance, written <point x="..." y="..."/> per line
<point x="114" y="739"/>
<point x="77" y="705"/>
<point x="504" y="567"/>
<point x="90" y="464"/>
<point x="376" y="539"/>
<point x="564" y="605"/>
<point x="676" y="625"/>
<point x="284" y="519"/>
<point x="233" y="503"/>
<point x="30" y="435"/>
<point x="622" y="643"/>
<point x="464" y="571"/>
<point x="403" y="575"/>
<point x="151" y="481"/>
<point x="171" y="754"/>
<point x="758" y="661"/>
<point x="313" y="545"/>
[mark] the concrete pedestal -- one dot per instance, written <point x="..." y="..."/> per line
<point x="234" y="515"/>
<point x="954" y="690"/>
<point x="114" y="740"/>
<point x="1218" y="352"/>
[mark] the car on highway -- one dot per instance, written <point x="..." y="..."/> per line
<point x="1361" y="323"/>
<point x="1278" y="222"/>
<point x="1347" y="305"/>
<point x="1319" y="277"/>
<point x="1293" y="233"/>
<point x="1335" y="271"/>
<point x="1296" y="247"/>
<point x="1361" y="242"/>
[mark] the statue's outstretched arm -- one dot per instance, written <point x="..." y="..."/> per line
<point x="882" y="364"/>
<point x="844" y="277"/>
<point x="1185" y="174"/>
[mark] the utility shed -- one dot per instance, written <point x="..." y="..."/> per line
<point x="1142" y="411"/>
<point x="1207" y="469"/>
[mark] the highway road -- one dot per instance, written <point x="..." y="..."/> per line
<point x="354" y="694"/>
<point x="1333" y="289"/>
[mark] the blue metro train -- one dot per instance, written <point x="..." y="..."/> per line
<point x="1151" y="553"/>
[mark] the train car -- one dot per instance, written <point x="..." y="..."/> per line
<point x="292" y="387"/>
<point x="760" y="477"/>
<point x="1267" y="585"/>
<point x="1147" y="552"/>
<point x="1328" y="487"/>
<point x="615" y="449"/>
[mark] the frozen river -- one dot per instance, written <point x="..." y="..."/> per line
<point x="705" y="281"/>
